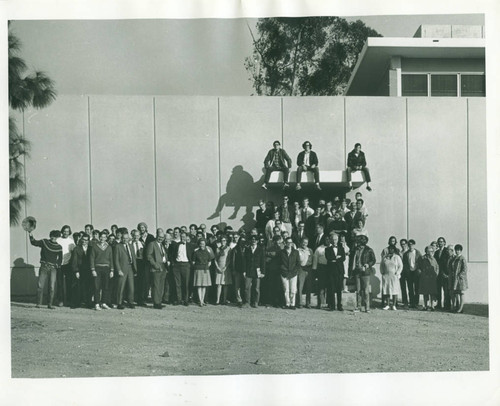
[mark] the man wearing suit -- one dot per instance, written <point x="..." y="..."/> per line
<point x="441" y="255"/>
<point x="411" y="274"/>
<point x="319" y="238"/>
<point x="307" y="160"/>
<point x="289" y="268"/>
<point x="356" y="161"/>
<point x="126" y="266"/>
<point x="254" y="271"/>
<point x="362" y="264"/>
<point x="335" y="257"/>
<point x="181" y="254"/>
<point x="299" y="234"/>
<point x="277" y="160"/>
<point x="143" y="272"/>
<point x="157" y="258"/>
<point x="81" y="280"/>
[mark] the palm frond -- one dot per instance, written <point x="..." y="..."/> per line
<point x="16" y="208"/>
<point x="42" y="88"/>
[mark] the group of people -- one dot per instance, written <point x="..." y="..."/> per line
<point x="307" y="161"/>
<point x="293" y="251"/>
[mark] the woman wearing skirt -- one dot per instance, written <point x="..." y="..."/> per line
<point x="459" y="284"/>
<point x="223" y="277"/>
<point x="201" y="263"/>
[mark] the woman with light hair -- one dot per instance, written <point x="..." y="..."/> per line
<point x="391" y="267"/>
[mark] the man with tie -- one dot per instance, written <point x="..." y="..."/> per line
<point x="81" y="281"/>
<point x="299" y="234"/>
<point x="138" y="248"/>
<point x="335" y="257"/>
<point x="285" y="211"/>
<point x="182" y="254"/>
<point x="441" y="255"/>
<point x="169" y="279"/>
<point x="126" y="267"/>
<point x="319" y="239"/>
<point x="306" y="211"/>
<point x="158" y="261"/>
<point x="319" y="272"/>
<point x="143" y="272"/>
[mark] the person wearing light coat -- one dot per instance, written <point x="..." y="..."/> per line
<point x="391" y="268"/>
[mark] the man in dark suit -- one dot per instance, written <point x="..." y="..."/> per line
<point x="181" y="254"/>
<point x="356" y="161"/>
<point x="143" y="272"/>
<point x="319" y="238"/>
<point x="254" y="270"/>
<point x="157" y="258"/>
<point x="307" y="160"/>
<point x="335" y="257"/>
<point x="299" y="234"/>
<point x="441" y="255"/>
<point x="277" y="160"/>
<point x="125" y="266"/>
<point x="81" y="281"/>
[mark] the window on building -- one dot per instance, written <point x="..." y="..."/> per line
<point x="472" y="86"/>
<point x="444" y="85"/>
<point x="414" y="85"/>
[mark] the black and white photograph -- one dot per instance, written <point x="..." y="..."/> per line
<point x="258" y="197"/>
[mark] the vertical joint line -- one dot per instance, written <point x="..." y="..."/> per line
<point x="407" y="177"/>
<point x="468" y="183"/>
<point x="345" y="133"/>
<point x="219" y="153"/>
<point x="25" y="192"/>
<point x="90" y="160"/>
<point x="282" y="131"/>
<point x="155" y="162"/>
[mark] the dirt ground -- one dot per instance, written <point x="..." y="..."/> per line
<point x="222" y="340"/>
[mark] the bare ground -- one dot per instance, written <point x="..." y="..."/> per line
<point x="223" y="340"/>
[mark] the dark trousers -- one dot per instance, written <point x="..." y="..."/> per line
<point x="158" y="279"/>
<point x="413" y="287"/>
<point x="102" y="293"/>
<point x="169" y="282"/>
<point x="285" y="171"/>
<point x="126" y="280"/>
<point x="442" y="287"/>
<point x="252" y="290"/>
<point x="86" y="285"/>
<point x="46" y="272"/>
<point x="364" y="169"/>
<point x="322" y="283"/>
<point x="314" y="170"/>
<point x="239" y="286"/>
<point x="404" y="282"/>
<point x="182" y="274"/>
<point x="363" y="291"/>
<point x="303" y="286"/>
<point x="76" y="290"/>
<point x="63" y="281"/>
<point x="142" y="287"/>
<point x="334" y="280"/>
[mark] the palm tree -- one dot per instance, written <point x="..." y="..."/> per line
<point x="25" y="90"/>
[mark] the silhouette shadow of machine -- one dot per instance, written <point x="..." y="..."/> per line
<point x="23" y="281"/>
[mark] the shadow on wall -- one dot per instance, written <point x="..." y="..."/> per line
<point x="23" y="281"/>
<point x="241" y="191"/>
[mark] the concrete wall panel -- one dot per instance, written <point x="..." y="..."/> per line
<point x="248" y="127"/>
<point x="437" y="170"/>
<point x="319" y="120"/>
<point x="57" y="173"/>
<point x="478" y="213"/>
<point x="379" y="124"/>
<point x="187" y="162"/>
<point x="477" y="278"/>
<point x="123" y="171"/>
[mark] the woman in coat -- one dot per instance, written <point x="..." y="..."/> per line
<point x="223" y="277"/>
<point x="391" y="268"/>
<point x="429" y="270"/>
<point x="201" y="263"/>
<point x="459" y="279"/>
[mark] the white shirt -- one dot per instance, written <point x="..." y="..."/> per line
<point x="319" y="256"/>
<point x="411" y="257"/>
<point x="181" y="253"/>
<point x="138" y="247"/>
<point x="306" y="157"/>
<point x="162" y="249"/>
<point x="67" y="244"/>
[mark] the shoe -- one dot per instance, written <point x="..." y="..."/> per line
<point x="200" y="304"/>
<point x="61" y="304"/>
<point x="97" y="307"/>
<point x="356" y="310"/>
<point x="345" y="291"/>
<point x="286" y="185"/>
<point x="340" y="308"/>
<point x="185" y="303"/>
<point x="394" y="308"/>
<point x="105" y="306"/>
<point x="255" y="306"/>
<point x="292" y="308"/>
<point x="38" y="306"/>
<point x="299" y="306"/>
<point x="112" y="306"/>
<point x="369" y="188"/>
<point x="264" y="186"/>
<point x="307" y="306"/>
<point x="318" y="307"/>
<point x="318" y="187"/>
<point x="385" y="308"/>
<point x="121" y="307"/>
<point x="131" y="306"/>
<point x="298" y="187"/>
<point x="50" y="307"/>
<point x="285" y="307"/>
<point x="368" y="311"/>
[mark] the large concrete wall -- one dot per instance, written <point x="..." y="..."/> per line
<point x="173" y="160"/>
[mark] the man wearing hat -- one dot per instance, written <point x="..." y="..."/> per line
<point x="277" y="160"/>
<point x="363" y="261"/>
<point x="307" y="160"/>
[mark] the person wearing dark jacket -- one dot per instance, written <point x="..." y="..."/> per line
<point x="441" y="255"/>
<point x="356" y="161"/>
<point x="80" y="266"/>
<point x="237" y="264"/>
<point x="126" y="266"/>
<point x="289" y="268"/>
<point x="277" y="160"/>
<point x="307" y="160"/>
<point x="362" y="264"/>
<point x="255" y="263"/>
<point x="335" y="257"/>
<point x="50" y="260"/>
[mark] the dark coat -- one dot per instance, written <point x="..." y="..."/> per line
<point x="442" y="262"/>
<point x="406" y="260"/>
<point x="353" y="160"/>
<point x="284" y="159"/>
<point x="154" y="257"/>
<point x="80" y="260"/>
<point x="254" y="260"/>
<point x="333" y="264"/>
<point x="121" y="258"/>
<point x="313" y="158"/>
<point x="367" y="258"/>
<point x="289" y="264"/>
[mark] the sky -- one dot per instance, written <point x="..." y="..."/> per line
<point x="165" y="57"/>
